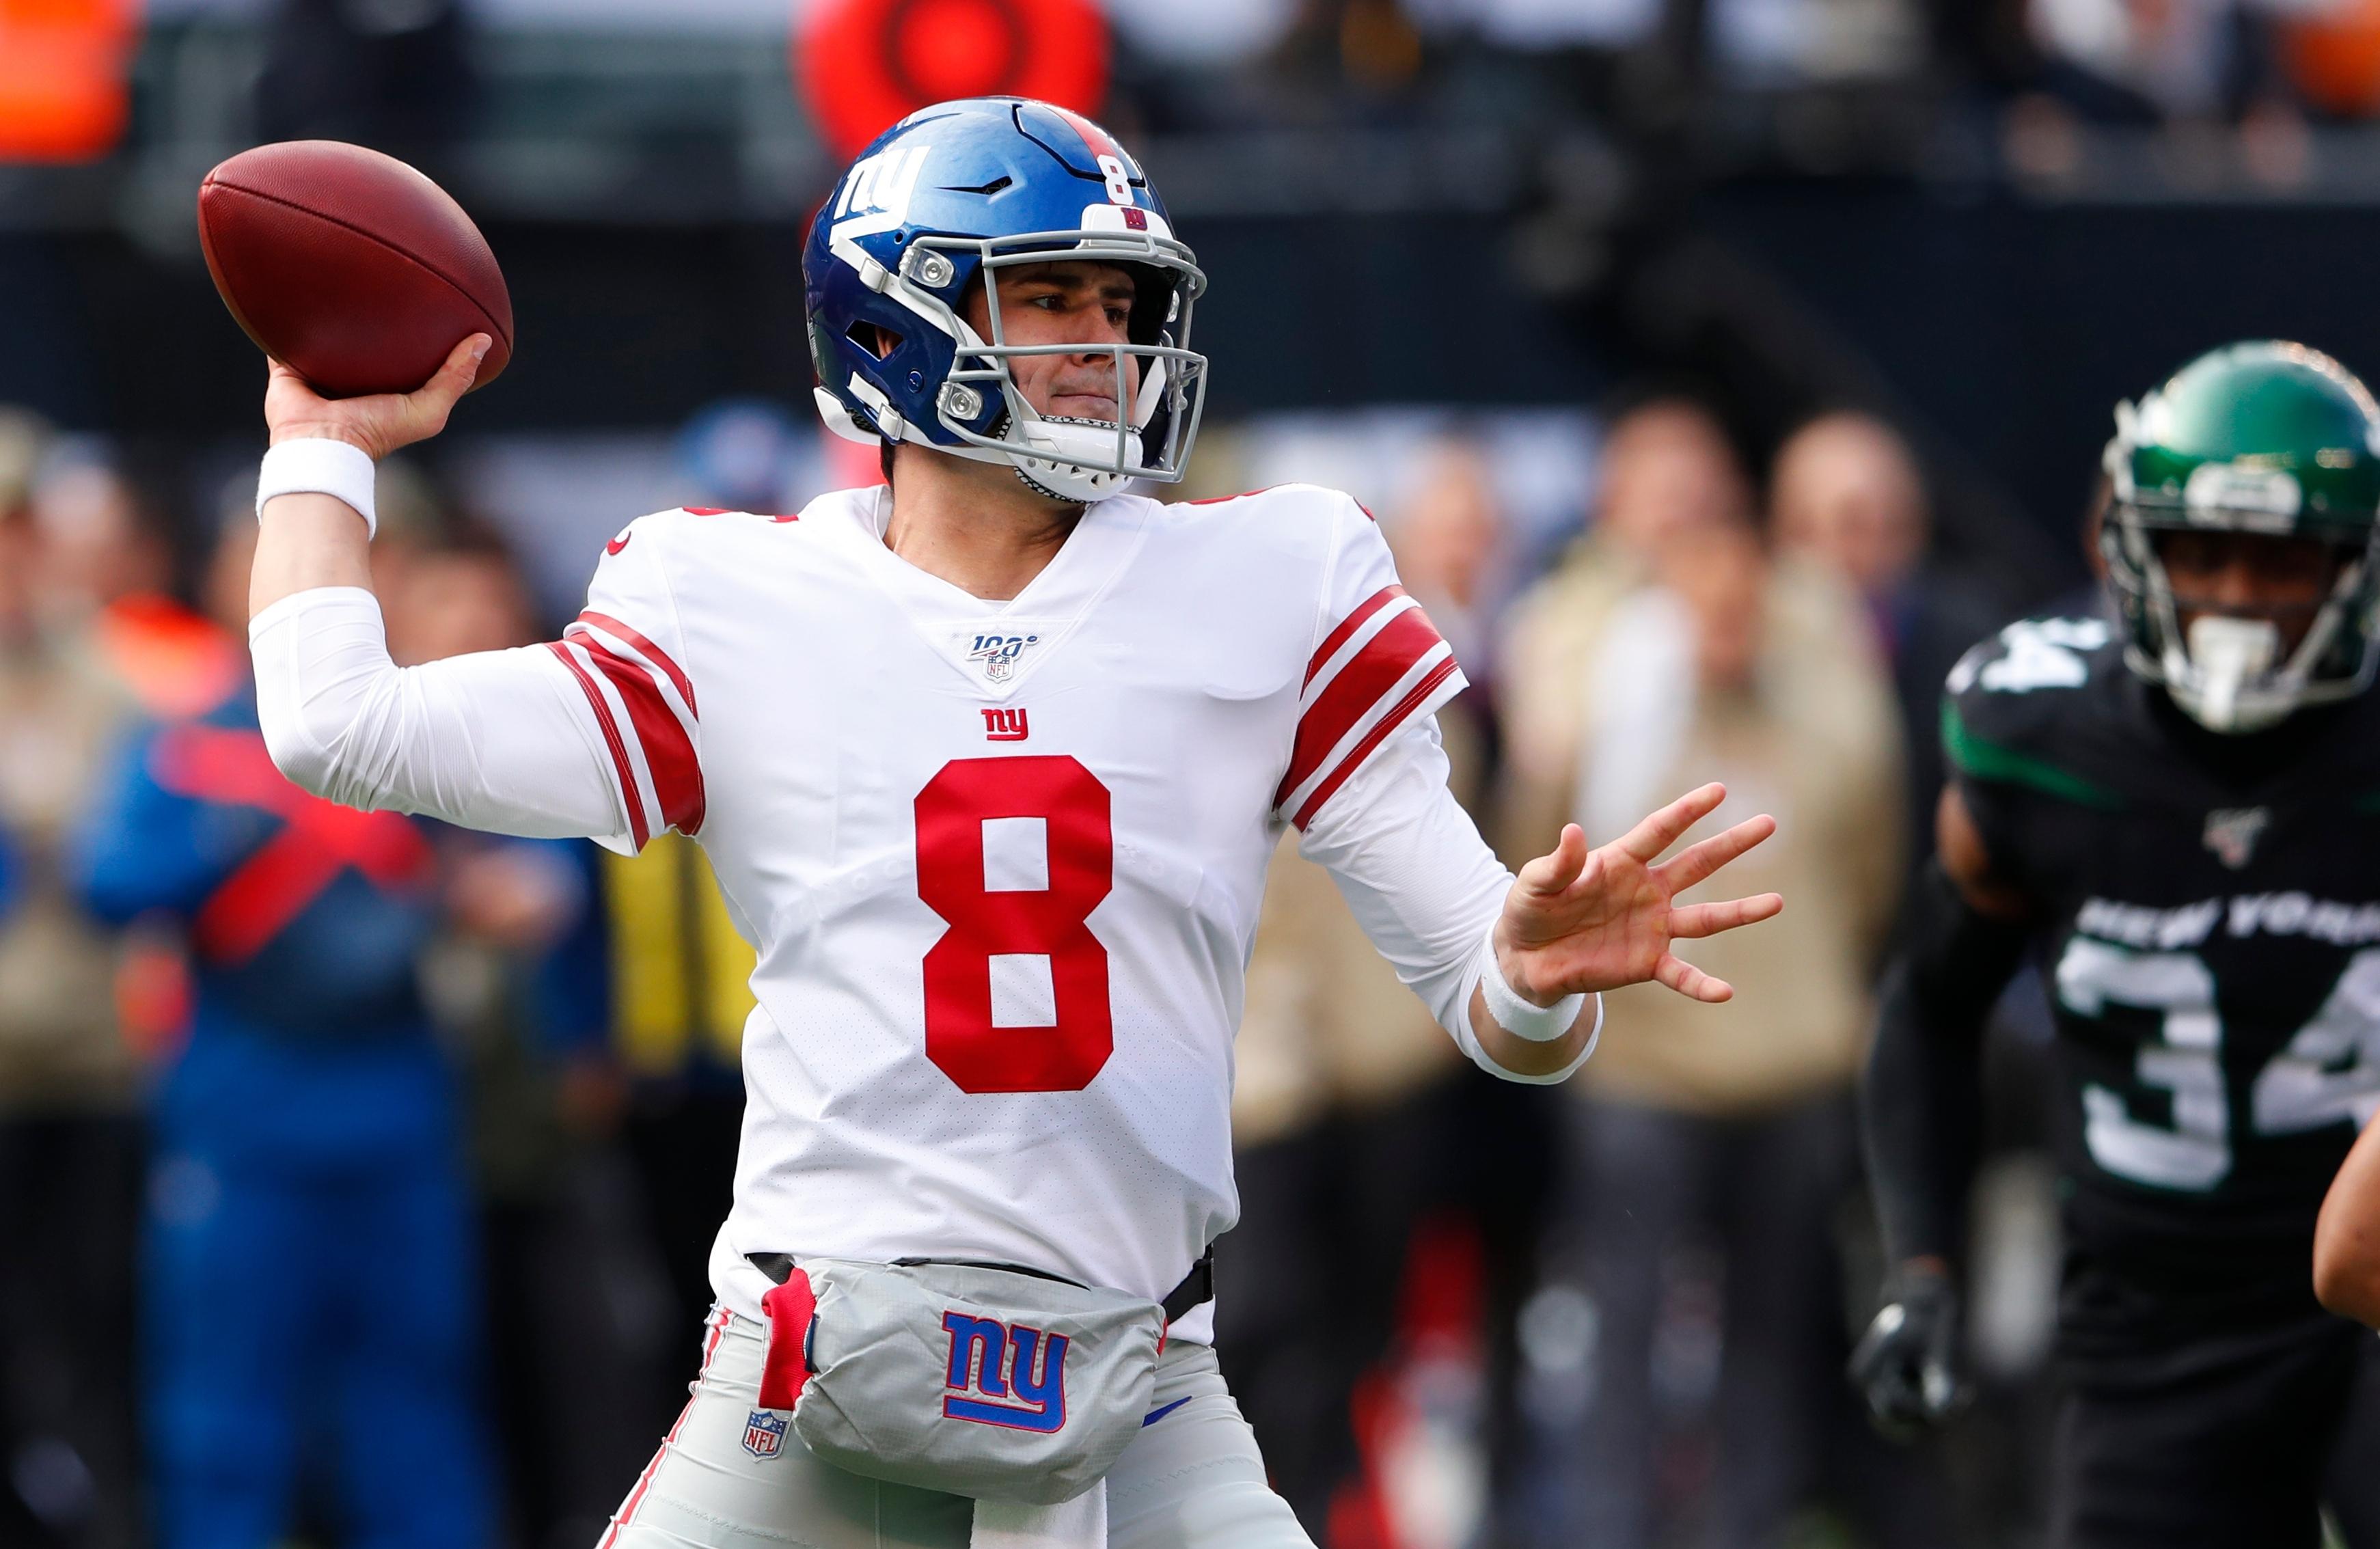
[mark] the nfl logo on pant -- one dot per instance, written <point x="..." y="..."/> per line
<point x="764" y="1434"/>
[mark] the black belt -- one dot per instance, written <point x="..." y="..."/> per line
<point x="1196" y="1288"/>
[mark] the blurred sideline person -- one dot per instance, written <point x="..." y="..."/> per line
<point x="1344" y="1115"/>
<point x="69" y="1132"/>
<point x="309" y="1289"/>
<point x="1846" y="496"/>
<point x="2176" y="809"/>
<point x="514" y="978"/>
<point x="1728" y="1129"/>
<point x="1666" y="467"/>
<point x="110" y="573"/>
<point x="681" y="989"/>
<point x="1665" y="464"/>
<point x="1048" y="1134"/>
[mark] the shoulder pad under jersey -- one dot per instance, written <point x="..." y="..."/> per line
<point x="2038" y="706"/>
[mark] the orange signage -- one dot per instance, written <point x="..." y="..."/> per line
<point x="64" y="87"/>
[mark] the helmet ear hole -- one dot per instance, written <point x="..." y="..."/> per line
<point x="875" y="338"/>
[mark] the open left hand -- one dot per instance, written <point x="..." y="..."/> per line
<point x="1580" y="920"/>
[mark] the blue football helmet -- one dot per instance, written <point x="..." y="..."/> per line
<point x="942" y="199"/>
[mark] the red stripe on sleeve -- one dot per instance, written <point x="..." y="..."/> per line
<point x="1358" y="686"/>
<point x="669" y="753"/>
<point x="638" y="829"/>
<point x="658" y="656"/>
<point x="1373" y="738"/>
<point x="1348" y="625"/>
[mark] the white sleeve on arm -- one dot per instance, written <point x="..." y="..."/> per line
<point x="1367" y="786"/>
<point x="486" y="741"/>
<point x="589" y="736"/>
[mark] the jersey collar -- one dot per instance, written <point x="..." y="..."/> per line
<point x="957" y="624"/>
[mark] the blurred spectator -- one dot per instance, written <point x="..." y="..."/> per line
<point x="1846" y="497"/>
<point x="109" y="568"/>
<point x="1666" y="466"/>
<point x="1446" y="533"/>
<point x="681" y="989"/>
<point x="70" y="1139"/>
<point x="308" y="1305"/>
<point x="516" y="982"/>
<point x="2186" y="64"/>
<point x="2148" y="58"/>
<point x="1723" y="1130"/>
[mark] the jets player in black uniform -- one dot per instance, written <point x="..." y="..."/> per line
<point x="2181" y="812"/>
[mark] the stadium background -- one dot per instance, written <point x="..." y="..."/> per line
<point x="1429" y="225"/>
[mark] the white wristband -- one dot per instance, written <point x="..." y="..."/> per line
<point x="320" y="467"/>
<point x="1538" y="1024"/>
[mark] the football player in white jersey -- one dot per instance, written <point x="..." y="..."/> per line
<point x="989" y="763"/>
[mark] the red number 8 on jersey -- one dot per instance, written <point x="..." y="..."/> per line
<point x="1050" y="922"/>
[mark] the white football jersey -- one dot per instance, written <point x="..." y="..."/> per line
<point x="1002" y="861"/>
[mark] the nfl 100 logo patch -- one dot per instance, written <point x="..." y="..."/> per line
<point x="764" y="1434"/>
<point x="997" y="654"/>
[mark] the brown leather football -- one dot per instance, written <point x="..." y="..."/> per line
<point x="350" y="267"/>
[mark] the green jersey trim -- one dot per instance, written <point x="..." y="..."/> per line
<point x="1989" y="762"/>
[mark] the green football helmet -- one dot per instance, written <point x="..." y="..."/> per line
<point x="2265" y="438"/>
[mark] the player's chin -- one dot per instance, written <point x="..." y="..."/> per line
<point x="1083" y="407"/>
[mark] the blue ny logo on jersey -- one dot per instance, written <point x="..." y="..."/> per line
<point x="1000" y="1375"/>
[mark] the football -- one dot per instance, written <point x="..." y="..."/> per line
<point x="350" y="267"/>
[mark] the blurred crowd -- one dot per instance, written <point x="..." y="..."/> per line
<point x="303" y="1112"/>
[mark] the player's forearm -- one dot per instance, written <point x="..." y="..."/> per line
<point x="1922" y="1101"/>
<point x="2346" y="1236"/>
<point x="1921" y="1115"/>
<point x="305" y="541"/>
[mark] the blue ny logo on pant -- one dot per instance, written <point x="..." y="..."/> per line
<point x="1020" y="1374"/>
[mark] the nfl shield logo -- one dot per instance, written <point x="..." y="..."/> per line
<point x="764" y="1434"/>
<point x="2232" y="833"/>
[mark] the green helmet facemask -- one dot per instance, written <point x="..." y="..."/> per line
<point x="2267" y="439"/>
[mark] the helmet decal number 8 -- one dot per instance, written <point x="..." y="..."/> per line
<point x="1119" y="181"/>
<point x="985" y="922"/>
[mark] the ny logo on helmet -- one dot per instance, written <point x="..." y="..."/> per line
<point x="876" y="194"/>
<point x="1006" y="1376"/>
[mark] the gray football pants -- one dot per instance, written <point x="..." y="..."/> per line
<point x="1191" y="1480"/>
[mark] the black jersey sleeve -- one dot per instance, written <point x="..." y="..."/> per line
<point x="1920" y="1103"/>
<point x="2022" y="716"/>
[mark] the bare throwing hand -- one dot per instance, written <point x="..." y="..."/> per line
<point x="378" y="423"/>
<point x="1580" y="920"/>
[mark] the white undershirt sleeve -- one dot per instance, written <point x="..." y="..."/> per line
<point x="1421" y="883"/>
<point x="496" y="740"/>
